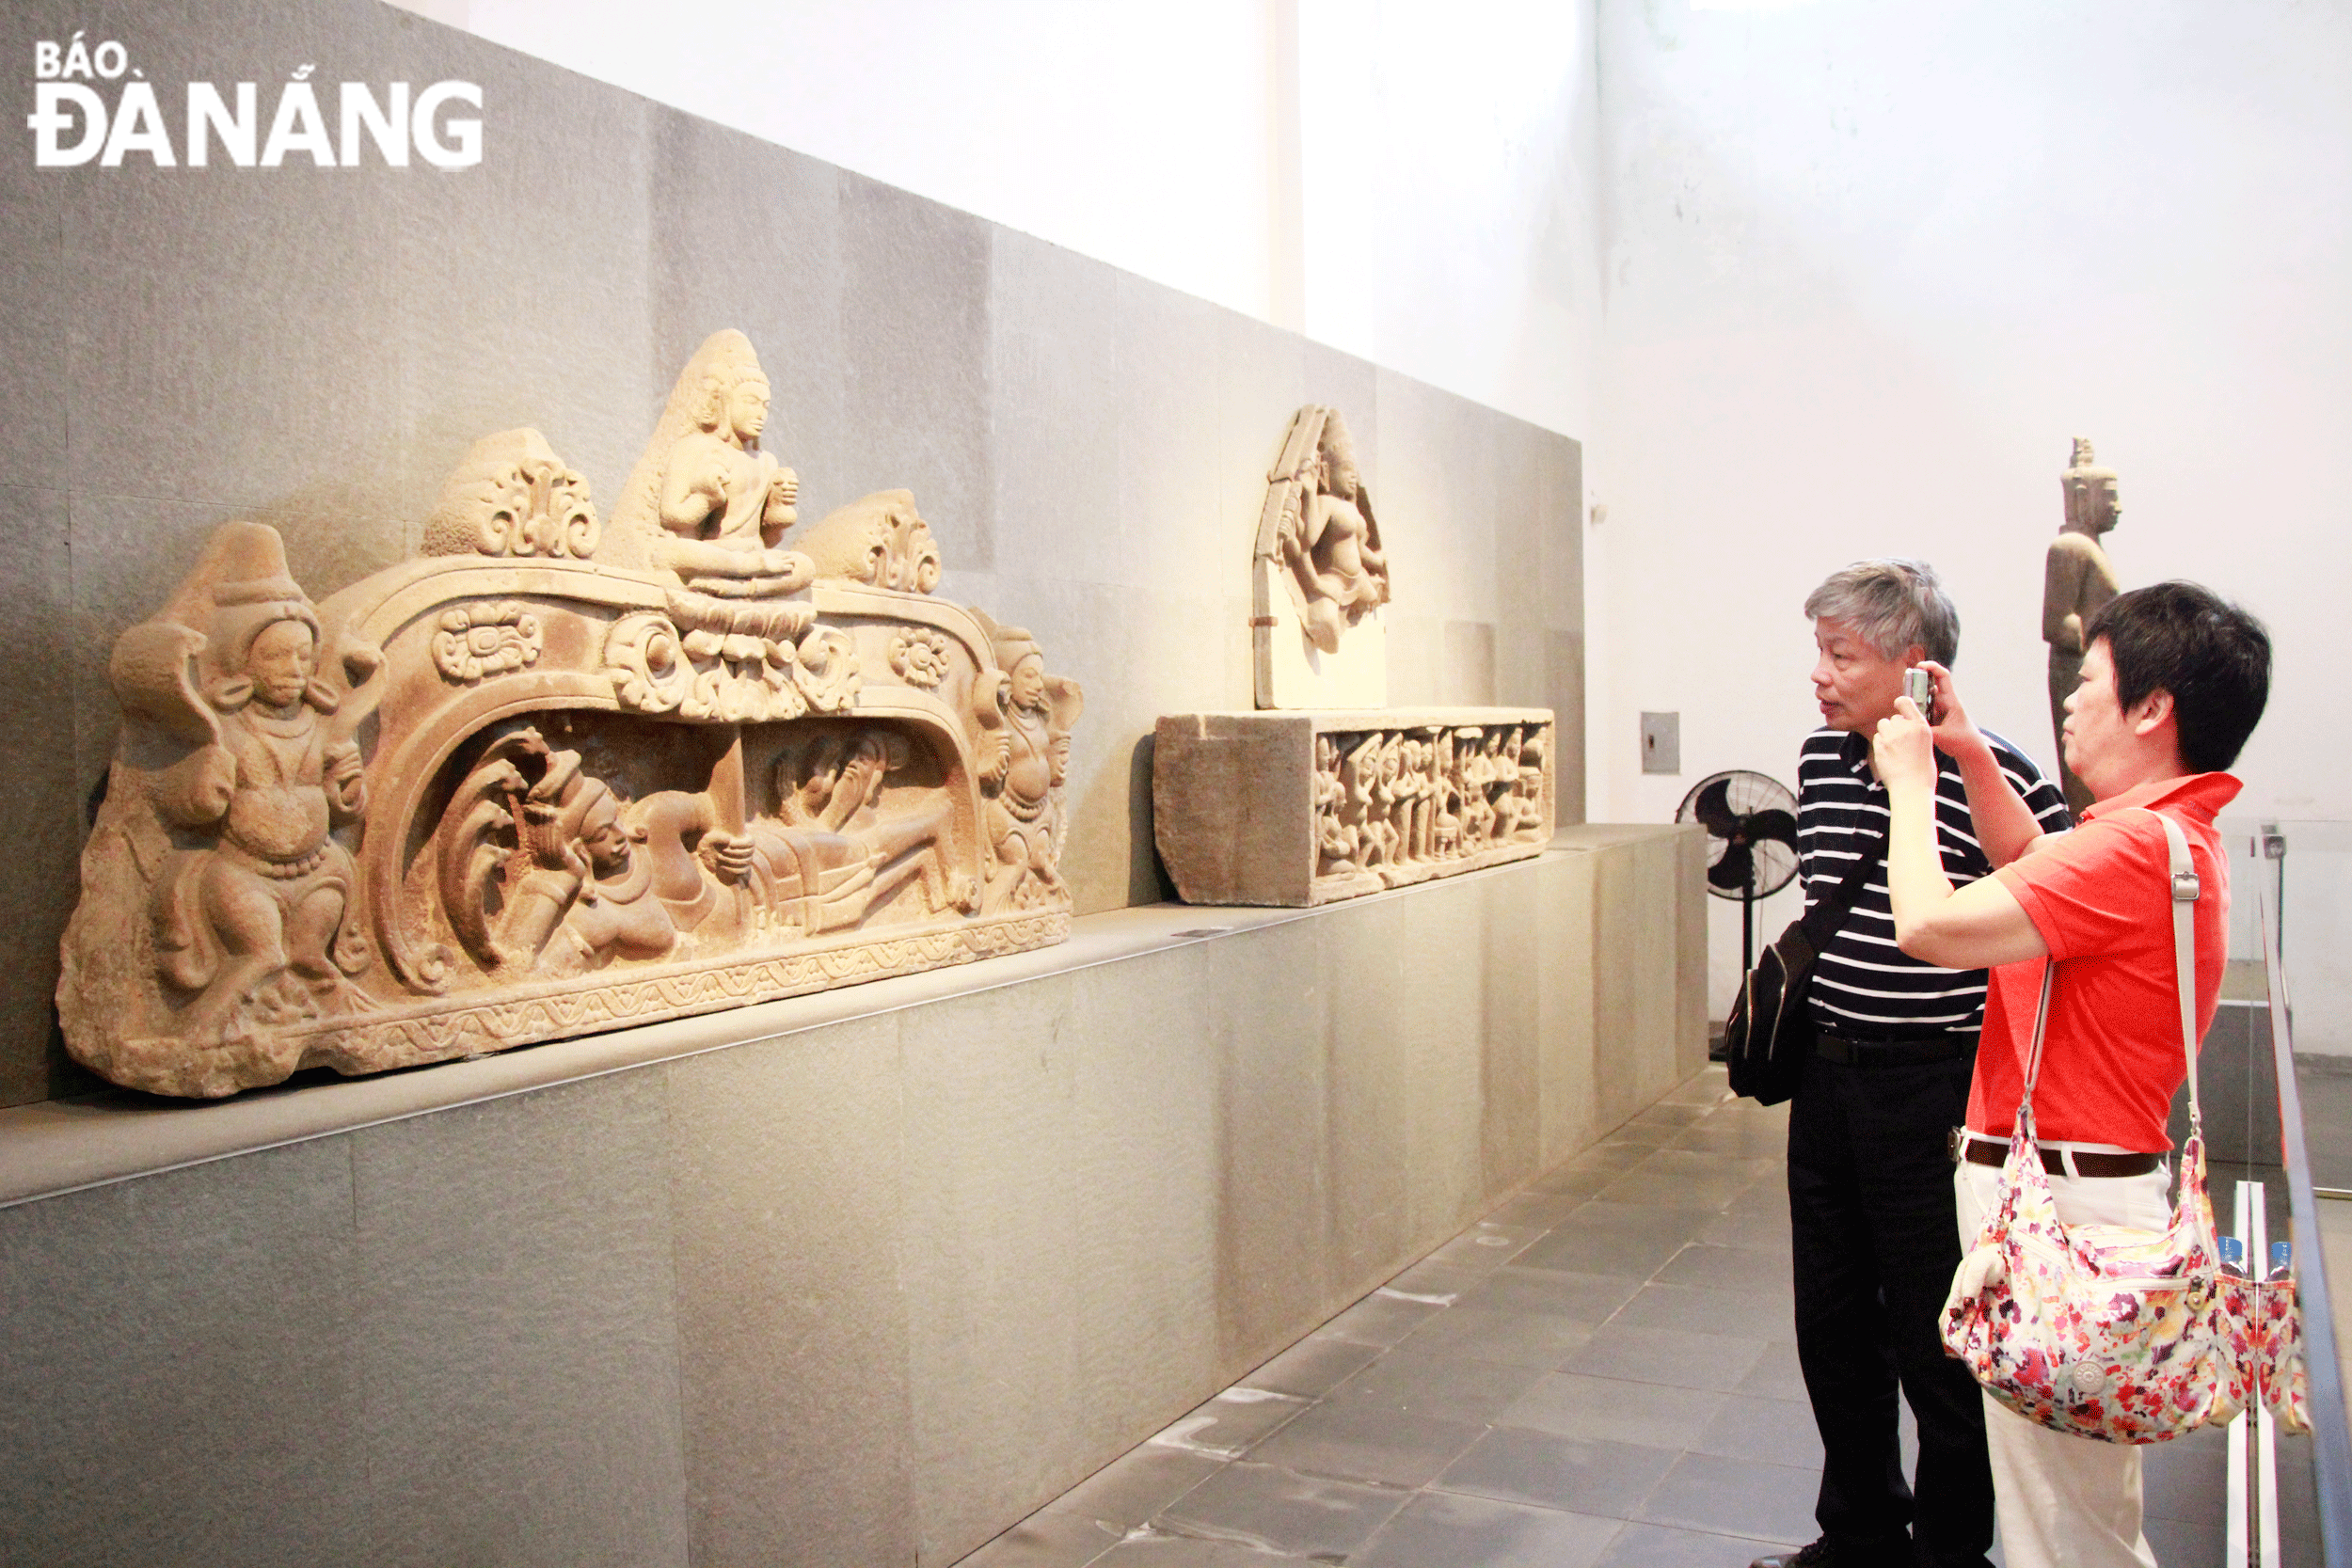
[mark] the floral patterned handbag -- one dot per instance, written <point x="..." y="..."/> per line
<point x="2101" y="1330"/>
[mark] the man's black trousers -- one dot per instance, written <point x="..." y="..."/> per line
<point x="1875" y="1242"/>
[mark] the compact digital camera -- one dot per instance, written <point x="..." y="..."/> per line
<point x="1919" y="685"/>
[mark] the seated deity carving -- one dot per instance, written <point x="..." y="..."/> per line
<point x="705" y="501"/>
<point x="1022" y="757"/>
<point x="249" y="899"/>
<point x="836" y="850"/>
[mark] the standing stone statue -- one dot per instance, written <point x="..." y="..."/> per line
<point x="2076" y="580"/>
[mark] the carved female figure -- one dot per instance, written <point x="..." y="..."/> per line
<point x="1366" y="811"/>
<point x="1394" y="795"/>
<point x="1475" y="772"/>
<point x="1333" y="550"/>
<point x="1445" y="832"/>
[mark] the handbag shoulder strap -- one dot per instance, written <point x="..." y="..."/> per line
<point x="2186" y="888"/>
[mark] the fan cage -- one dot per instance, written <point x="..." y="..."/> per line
<point x="1746" y="793"/>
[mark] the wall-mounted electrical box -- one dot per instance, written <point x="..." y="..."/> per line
<point x="1661" y="743"/>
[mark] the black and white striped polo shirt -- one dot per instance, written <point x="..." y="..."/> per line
<point x="1862" y="984"/>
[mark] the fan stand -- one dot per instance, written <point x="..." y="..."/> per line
<point x="1762" y="821"/>
<point x="1747" y="932"/>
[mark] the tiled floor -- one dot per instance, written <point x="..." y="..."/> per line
<point x="1599" y="1372"/>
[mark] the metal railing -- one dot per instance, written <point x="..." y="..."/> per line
<point x="2254" y="1525"/>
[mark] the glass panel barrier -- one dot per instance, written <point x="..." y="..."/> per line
<point x="2290" y="1498"/>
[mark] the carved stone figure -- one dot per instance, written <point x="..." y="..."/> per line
<point x="1519" y="800"/>
<point x="1321" y="574"/>
<point x="1305" y="808"/>
<point x="2076" y="580"/>
<point x="1331" y="547"/>
<point x="1336" y="840"/>
<point x="1025" y="717"/>
<point x="216" y="906"/>
<point x="546" y="868"/>
<point x="705" y="501"/>
<point x="833" y="851"/>
<point x="504" y="793"/>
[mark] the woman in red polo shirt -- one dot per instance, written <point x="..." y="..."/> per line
<point x="2173" y="681"/>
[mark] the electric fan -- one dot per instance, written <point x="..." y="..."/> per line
<point x="1751" y="823"/>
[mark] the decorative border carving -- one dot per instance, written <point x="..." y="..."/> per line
<point x="459" y="1028"/>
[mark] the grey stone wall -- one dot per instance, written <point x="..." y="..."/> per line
<point x="317" y="348"/>
<point x="865" y="1294"/>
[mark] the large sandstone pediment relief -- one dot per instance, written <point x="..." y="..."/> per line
<point x="557" y="775"/>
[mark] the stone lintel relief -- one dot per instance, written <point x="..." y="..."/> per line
<point x="557" y="776"/>
<point x="1318" y="576"/>
<point x="1306" y="808"/>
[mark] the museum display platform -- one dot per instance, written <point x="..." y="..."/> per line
<point x="876" y="1271"/>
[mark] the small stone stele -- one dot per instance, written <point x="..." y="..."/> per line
<point x="1319" y="575"/>
<point x="1297" y="809"/>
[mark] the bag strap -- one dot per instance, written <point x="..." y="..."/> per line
<point x="2186" y="887"/>
<point x="1817" y="920"/>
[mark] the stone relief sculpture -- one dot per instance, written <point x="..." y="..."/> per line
<point x="1025" y="717"/>
<point x="1321" y="574"/>
<point x="542" y="867"/>
<point x="1405" y="802"/>
<point x="1316" y="800"/>
<point x="2076" y="580"/>
<point x="1306" y="808"/>
<point x="553" y="777"/>
<point x="247" y="891"/>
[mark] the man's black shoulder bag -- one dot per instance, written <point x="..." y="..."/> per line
<point x="1770" y="1032"/>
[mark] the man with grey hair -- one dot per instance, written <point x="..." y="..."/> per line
<point x="1873" y="1235"/>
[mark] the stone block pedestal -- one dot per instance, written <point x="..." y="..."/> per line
<point x="1304" y="808"/>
